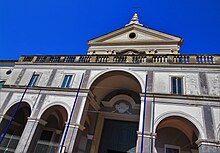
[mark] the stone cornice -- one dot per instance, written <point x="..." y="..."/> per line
<point x="46" y="90"/>
<point x="209" y="142"/>
<point x="121" y="43"/>
<point x="194" y="99"/>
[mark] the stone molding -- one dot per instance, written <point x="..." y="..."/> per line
<point x="147" y="134"/>
<point x="40" y="121"/>
<point x="75" y="125"/>
<point x="209" y="142"/>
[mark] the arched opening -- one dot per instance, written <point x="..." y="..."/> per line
<point x="114" y="82"/>
<point x="17" y="126"/>
<point x="116" y="97"/>
<point x="49" y="133"/>
<point x="175" y="135"/>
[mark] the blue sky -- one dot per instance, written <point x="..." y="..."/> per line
<point x="29" y="27"/>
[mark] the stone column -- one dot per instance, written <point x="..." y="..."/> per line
<point x="148" y="142"/>
<point x="26" y="140"/>
<point x="208" y="146"/>
<point x="147" y="134"/>
<point x="72" y="139"/>
<point x="76" y="126"/>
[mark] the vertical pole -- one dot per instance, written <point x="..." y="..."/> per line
<point x="31" y="112"/>
<point x="71" y="114"/>
<point x="152" y="125"/>
<point x="143" y="121"/>
<point x="16" y="110"/>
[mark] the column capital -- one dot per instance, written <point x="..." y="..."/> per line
<point x="75" y="125"/>
<point x="41" y="121"/>
<point x="147" y="134"/>
<point x="209" y="142"/>
<point x="148" y="97"/>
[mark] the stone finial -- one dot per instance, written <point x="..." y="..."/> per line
<point x="134" y="20"/>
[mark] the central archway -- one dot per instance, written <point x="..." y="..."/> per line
<point x="117" y="94"/>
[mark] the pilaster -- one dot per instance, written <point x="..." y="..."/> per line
<point x="76" y="127"/>
<point x="148" y="142"/>
<point x="72" y="139"/>
<point x="29" y="134"/>
<point x="146" y="120"/>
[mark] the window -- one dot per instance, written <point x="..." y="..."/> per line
<point x="176" y="84"/>
<point x="34" y="80"/>
<point x="1" y="84"/>
<point x="172" y="149"/>
<point x="66" y="81"/>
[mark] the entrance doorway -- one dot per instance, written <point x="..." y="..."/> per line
<point x="118" y="136"/>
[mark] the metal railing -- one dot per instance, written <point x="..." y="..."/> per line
<point x="135" y="59"/>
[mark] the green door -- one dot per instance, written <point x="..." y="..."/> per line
<point x="118" y="136"/>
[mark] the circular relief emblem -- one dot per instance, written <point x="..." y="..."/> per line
<point x="132" y="35"/>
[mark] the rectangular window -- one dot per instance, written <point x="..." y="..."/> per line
<point x="176" y="84"/>
<point x="1" y="84"/>
<point x="66" y="81"/>
<point x="34" y="80"/>
<point x="172" y="149"/>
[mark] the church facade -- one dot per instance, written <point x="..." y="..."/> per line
<point x="132" y="92"/>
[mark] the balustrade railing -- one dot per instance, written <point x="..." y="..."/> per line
<point x="135" y="59"/>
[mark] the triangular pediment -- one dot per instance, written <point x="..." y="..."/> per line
<point x="135" y="39"/>
<point x="140" y="34"/>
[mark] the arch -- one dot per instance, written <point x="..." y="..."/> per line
<point x="136" y="76"/>
<point x="61" y="104"/>
<point x="52" y="130"/>
<point x="8" y="107"/>
<point x="183" y="115"/>
<point x="16" y="102"/>
<point x="16" y="128"/>
<point x="58" y="112"/>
